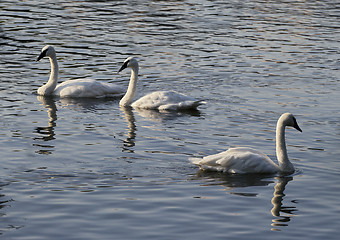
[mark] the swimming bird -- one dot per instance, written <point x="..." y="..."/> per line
<point x="248" y="160"/>
<point x="159" y="100"/>
<point x="79" y="88"/>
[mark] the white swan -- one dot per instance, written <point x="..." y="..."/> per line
<point x="248" y="160"/>
<point x="74" y="88"/>
<point x="159" y="100"/>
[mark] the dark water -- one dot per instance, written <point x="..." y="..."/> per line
<point x="87" y="169"/>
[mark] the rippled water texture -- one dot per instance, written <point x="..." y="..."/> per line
<point x="87" y="169"/>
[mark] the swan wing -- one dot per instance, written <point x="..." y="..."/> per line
<point x="238" y="160"/>
<point x="87" y="88"/>
<point x="166" y="100"/>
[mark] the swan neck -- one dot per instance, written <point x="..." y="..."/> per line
<point x="130" y="93"/>
<point x="281" y="151"/>
<point x="49" y="87"/>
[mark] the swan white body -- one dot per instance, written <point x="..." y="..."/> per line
<point x="160" y="100"/>
<point x="248" y="160"/>
<point x="79" y="88"/>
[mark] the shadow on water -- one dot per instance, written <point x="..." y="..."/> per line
<point x="88" y="104"/>
<point x="160" y="116"/>
<point x="234" y="181"/>
<point x="281" y="213"/>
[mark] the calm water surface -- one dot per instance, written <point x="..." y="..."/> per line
<point x="87" y="169"/>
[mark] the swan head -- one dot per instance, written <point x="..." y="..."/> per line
<point x="130" y="62"/>
<point x="288" y="119"/>
<point x="46" y="51"/>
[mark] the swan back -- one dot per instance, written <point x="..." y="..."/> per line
<point x="237" y="160"/>
<point x="167" y="100"/>
<point x="87" y="88"/>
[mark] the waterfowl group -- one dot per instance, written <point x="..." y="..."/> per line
<point x="238" y="160"/>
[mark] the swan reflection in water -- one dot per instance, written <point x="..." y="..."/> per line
<point x="152" y="115"/>
<point x="233" y="182"/>
<point x="129" y="142"/>
<point x="281" y="213"/>
<point x="4" y="200"/>
<point x="46" y="133"/>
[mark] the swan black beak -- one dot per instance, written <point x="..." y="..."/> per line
<point x="123" y="66"/>
<point x="296" y="126"/>
<point x="42" y="54"/>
